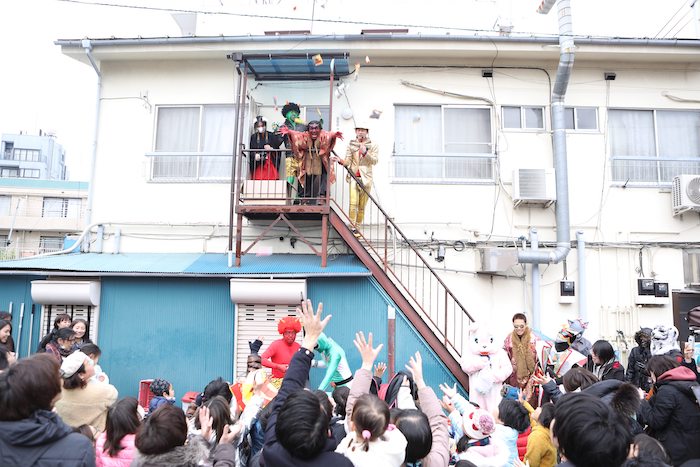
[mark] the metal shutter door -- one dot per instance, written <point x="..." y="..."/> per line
<point x="88" y="313"/>
<point x="255" y="321"/>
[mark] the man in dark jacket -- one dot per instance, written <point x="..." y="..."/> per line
<point x="637" y="360"/>
<point x="297" y="430"/>
<point x="672" y="414"/>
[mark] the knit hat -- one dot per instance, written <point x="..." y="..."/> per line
<point x="72" y="363"/>
<point x="289" y="323"/>
<point x="160" y="386"/>
<point x="477" y="423"/>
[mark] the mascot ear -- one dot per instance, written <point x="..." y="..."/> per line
<point x="571" y="323"/>
<point x="474" y="328"/>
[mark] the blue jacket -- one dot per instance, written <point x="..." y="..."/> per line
<point x="157" y="401"/>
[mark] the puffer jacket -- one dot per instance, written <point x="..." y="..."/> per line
<point x="193" y="454"/>
<point x="673" y="415"/>
<point x="43" y="440"/>
<point x="123" y="457"/>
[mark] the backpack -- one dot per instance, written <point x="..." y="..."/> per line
<point x="390" y="392"/>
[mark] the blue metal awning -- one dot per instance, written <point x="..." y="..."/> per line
<point x="186" y="265"/>
<point x="296" y="67"/>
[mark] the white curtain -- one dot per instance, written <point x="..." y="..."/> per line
<point x="178" y="129"/>
<point x="679" y="134"/>
<point x="418" y="130"/>
<point x="631" y="133"/>
<point x="217" y="129"/>
<point x="467" y="131"/>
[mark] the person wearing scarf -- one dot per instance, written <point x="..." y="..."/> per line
<point x="62" y="345"/>
<point x="520" y="345"/>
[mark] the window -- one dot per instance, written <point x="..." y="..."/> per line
<point x="90" y="314"/>
<point x="29" y="173"/>
<point x="9" y="172"/>
<point x="193" y="144"/>
<point x="5" y="202"/>
<point x="530" y="118"/>
<point x="581" y="118"/>
<point x="61" y="207"/>
<point x="650" y="147"/>
<point x="31" y="155"/>
<point x="443" y="144"/>
<point x="50" y="244"/>
<point x="9" y="145"/>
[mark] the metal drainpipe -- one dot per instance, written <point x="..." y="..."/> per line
<point x="566" y="63"/>
<point x="582" y="286"/>
<point x="535" y="272"/>
<point x="93" y="159"/>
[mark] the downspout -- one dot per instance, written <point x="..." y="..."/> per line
<point x="535" y="272"/>
<point x="93" y="158"/>
<point x="566" y="63"/>
<point x="582" y="285"/>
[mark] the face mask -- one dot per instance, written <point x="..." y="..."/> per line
<point x="261" y="129"/>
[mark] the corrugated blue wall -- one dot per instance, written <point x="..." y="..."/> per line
<point x="178" y="329"/>
<point x="17" y="289"/>
<point x="360" y="304"/>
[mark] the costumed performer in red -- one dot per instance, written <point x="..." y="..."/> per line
<point x="280" y="352"/>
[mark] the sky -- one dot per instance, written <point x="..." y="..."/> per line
<point x="41" y="89"/>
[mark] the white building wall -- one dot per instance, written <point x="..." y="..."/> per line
<point x="195" y="216"/>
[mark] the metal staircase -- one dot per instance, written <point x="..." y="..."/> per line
<point x="404" y="273"/>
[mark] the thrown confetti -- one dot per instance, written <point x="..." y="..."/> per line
<point x="375" y="113"/>
<point x="357" y="71"/>
<point x="274" y="100"/>
<point x="318" y="60"/>
<point x="366" y="58"/>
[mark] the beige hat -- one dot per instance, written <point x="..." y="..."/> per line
<point x="361" y="124"/>
<point x="72" y="363"/>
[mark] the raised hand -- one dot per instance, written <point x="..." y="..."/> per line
<point x="205" y="422"/>
<point x="415" y="366"/>
<point x="313" y="324"/>
<point x="230" y="433"/>
<point x="367" y="352"/>
<point x="449" y="391"/>
<point x="379" y="369"/>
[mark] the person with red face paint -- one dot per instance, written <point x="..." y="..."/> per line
<point x="280" y="352"/>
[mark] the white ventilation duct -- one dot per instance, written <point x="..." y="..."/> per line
<point x="56" y="292"/>
<point x="268" y="291"/>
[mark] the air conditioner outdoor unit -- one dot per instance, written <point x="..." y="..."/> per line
<point x="685" y="193"/>
<point x="534" y="186"/>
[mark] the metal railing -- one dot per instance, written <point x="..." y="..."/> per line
<point x="401" y="259"/>
<point x="651" y="170"/>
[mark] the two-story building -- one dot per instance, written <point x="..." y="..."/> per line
<point x="185" y="267"/>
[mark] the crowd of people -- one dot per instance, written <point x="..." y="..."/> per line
<point x="58" y="408"/>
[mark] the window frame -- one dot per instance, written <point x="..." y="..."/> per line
<point x="444" y="156"/>
<point x="43" y="240"/>
<point x="522" y="127"/>
<point x="575" y="108"/>
<point x="656" y="160"/>
<point x="189" y="157"/>
<point x="65" y="207"/>
<point x="9" y="205"/>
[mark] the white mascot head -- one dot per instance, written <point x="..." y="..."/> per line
<point x="481" y="341"/>
<point x="664" y="339"/>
